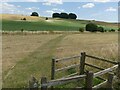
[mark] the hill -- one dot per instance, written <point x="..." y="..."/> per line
<point x="11" y="22"/>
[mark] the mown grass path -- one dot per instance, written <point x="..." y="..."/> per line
<point x="38" y="64"/>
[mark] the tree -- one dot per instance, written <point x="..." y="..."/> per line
<point x="34" y="14"/>
<point x="119" y="29"/>
<point x="56" y="15"/>
<point x="91" y="27"/>
<point x="72" y="16"/>
<point x="101" y="29"/>
<point x="64" y="15"/>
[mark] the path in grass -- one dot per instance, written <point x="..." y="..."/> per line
<point x="37" y="64"/>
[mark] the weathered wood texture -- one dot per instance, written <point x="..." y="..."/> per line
<point x="105" y="71"/>
<point x="101" y="59"/>
<point x="53" y="69"/>
<point x="82" y="63"/>
<point x="63" y="80"/>
<point x="89" y="80"/>
<point x="68" y="67"/>
<point x="67" y="58"/>
<point x="88" y="76"/>
<point x="43" y="81"/>
<point x="94" y="66"/>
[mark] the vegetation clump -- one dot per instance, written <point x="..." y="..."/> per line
<point x="92" y="27"/>
<point x="56" y="15"/>
<point x="34" y="14"/>
<point x="112" y="30"/>
<point x="46" y="18"/>
<point x="81" y="29"/>
<point x="64" y="15"/>
<point x="72" y="16"/>
<point x="100" y="29"/>
<point x="119" y="29"/>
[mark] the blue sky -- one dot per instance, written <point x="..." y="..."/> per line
<point x="101" y="11"/>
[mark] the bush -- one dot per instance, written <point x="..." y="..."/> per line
<point x="81" y="29"/>
<point x="72" y="16"/>
<point x="34" y="14"/>
<point x="56" y="15"/>
<point x="119" y="29"/>
<point x="112" y="30"/>
<point x="22" y="30"/>
<point x="46" y="18"/>
<point x="105" y="30"/>
<point x="91" y="27"/>
<point x="24" y="18"/>
<point x="101" y="29"/>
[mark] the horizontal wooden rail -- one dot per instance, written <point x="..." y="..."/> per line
<point x="94" y="66"/>
<point x="73" y="74"/>
<point x="100" y="85"/>
<point x="63" y="80"/>
<point x="67" y="58"/>
<point x="105" y="71"/>
<point x="97" y="58"/>
<point x="68" y="67"/>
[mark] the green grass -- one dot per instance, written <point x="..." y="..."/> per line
<point x="38" y="64"/>
<point x="48" y="25"/>
<point x="36" y="26"/>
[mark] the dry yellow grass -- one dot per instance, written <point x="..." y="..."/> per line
<point x="96" y="44"/>
<point x="18" y="17"/>
<point x="17" y="47"/>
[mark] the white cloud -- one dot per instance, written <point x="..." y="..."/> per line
<point x="20" y="0"/>
<point x="111" y="9"/>
<point x="15" y="9"/>
<point x="8" y="8"/>
<point x="102" y="0"/>
<point x="50" y="2"/>
<point x="31" y="0"/>
<point x="32" y="8"/>
<point x="58" y="10"/>
<point x="50" y="12"/>
<point x="88" y="5"/>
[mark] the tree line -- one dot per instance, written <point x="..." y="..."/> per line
<point x="64" y="15"/>
<point x="59" y="15"/>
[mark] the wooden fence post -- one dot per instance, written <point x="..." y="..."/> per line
<point x="109" y="81"/>
<point x="43" y="81"/>
<point x="118" y="70"/>
<point x="82" y="62"/>
<point x="89" y="80"/>
<point x="53" y="69"/>
<point x="33" y="83"/>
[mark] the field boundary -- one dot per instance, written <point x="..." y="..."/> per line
<point x="82" y="74"/>
<point x="20" y="32"/>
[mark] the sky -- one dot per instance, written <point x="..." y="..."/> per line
<point x="100" y="10"/>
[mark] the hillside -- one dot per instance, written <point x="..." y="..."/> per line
<point x="12" y="22"/>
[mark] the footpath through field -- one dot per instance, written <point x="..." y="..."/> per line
<point x="38" y="64"/>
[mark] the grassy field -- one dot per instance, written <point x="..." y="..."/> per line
<point x="14" y="23"/>
<point x="26" y="55"/>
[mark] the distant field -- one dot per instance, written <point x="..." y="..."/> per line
<point x="26" y="55"/>
<point x="14" y="23"/>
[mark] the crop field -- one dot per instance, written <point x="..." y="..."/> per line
<point x="27" y="55"/>
<point x="14" y="23"/>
